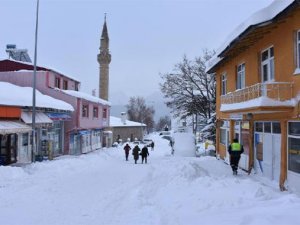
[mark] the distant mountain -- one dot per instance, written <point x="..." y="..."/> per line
<point x="119" y="100"/>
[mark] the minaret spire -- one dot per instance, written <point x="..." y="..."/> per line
<point x="104" y="59"/>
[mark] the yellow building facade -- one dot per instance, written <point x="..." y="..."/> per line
<point x="258" y="96"/>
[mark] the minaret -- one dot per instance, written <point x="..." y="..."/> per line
<point x="104" y="59"/>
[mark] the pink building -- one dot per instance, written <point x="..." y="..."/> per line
<point x="83" y="129"/>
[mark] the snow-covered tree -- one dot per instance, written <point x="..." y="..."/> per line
<point x="138" y="111"/>
<point x="189" y="91"/>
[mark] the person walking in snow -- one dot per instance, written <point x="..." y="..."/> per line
<point x="135" y="152"/>
<point x="152" y="145"/>
<point x="127" y="149"/>
<point x="144" y="154"/>
<point x="235" y="150"/>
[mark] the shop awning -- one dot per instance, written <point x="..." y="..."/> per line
<point x="11" y="127"/>
<point x="59" y="116"/>
<point x="39" y="117"/>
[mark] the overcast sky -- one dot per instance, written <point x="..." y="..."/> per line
<point x="147" y="37"/>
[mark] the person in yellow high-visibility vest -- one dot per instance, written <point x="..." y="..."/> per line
<point x="235" y="150"/>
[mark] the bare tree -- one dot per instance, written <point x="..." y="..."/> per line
<point x="163" y="122"/>
<point x="138" y="111"/>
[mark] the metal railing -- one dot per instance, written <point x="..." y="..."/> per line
<point x="279" y="91"/>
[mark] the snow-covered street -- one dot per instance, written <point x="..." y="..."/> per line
<point x="103" y="188"/>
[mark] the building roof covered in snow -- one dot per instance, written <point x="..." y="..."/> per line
<point x="259" y="19"/>
<point x="118" y="122"/>
<point x="86" y="96"/>
<point x="14" y="95"/>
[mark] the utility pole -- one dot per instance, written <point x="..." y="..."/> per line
<point x="34" y="150"/>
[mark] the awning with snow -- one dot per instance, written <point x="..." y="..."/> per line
<point x="39" y="117"/>
<point x="11" y="127"/>
<point x="59" y="116"/>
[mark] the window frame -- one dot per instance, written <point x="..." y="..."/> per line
<point x="95" y="112"/>
<point x="85" y="110"/>
<point x="223" y="84"/>
<point x="292" y="152"/>
<point x="57" y="82"/>
<point x="241" y="76"/>
<point x="65" y="85"/>
<point x="104" y="113"/>
<point x="269" y="63"/>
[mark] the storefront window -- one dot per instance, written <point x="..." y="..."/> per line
<point x="294" y="147"/>
<point x="223" y="136"/>
<point x="276" y="128"/>
<point x="259" y="127"/>
<point x="267" y="126"/>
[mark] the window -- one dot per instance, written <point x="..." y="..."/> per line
<point x="76" y="87"/>
<point x="298" y="49"/>
<point x="105" y="113"/>
<point x="57" y="82"/>
<point x="267" y="126"/>
<point x="276" y="128"/>
<point x="294" y="147"/>
<point x="223" y="84"/>
<point x="223" y="136"/>
<point x="267" y="65"/>
<point x="85" y="111"/>
<point x="95" y="112"/>
<point x="65" y="85"/>
<point x="259" y="127"/>
<point x="240" y="81"/>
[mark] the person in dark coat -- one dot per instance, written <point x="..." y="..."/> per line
<point x="144" y="154"/>
<point x="235" y="150"/>
<point x="135" y="152"/>
<point x="152" y="145"/>
<point x="127" y="149"/>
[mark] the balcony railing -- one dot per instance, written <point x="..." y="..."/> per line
<point x="279" y="91"/>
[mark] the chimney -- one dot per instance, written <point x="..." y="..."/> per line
<point x="123" y="117"/>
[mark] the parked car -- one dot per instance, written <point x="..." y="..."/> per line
<point x="147" y="142"/>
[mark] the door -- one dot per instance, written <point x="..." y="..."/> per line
<point x="271" y="156"/>
<point x="268" y="156"/>
<point x="276" y="156"/>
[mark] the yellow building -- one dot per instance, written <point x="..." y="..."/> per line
<point x="258" y="93"/>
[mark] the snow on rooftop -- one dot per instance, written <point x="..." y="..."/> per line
<point x="86" y="96"/>
<point x="257" y="102"/>
<point x="117" y="122"/>
<point x="264" y="15"/>
<point x="14" y="95"/>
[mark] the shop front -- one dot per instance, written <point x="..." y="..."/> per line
<point x="10" y="131"/>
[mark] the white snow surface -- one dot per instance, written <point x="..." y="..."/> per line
<point x="101" y="188"/>
<point x="14" y="95"/>
<point x="86" y="96"/>
<point x="117" y="122"/>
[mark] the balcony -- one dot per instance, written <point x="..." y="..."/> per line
<point x="269" y="94"/>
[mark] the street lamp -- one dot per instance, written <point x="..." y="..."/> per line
<point x="34" y="85"/>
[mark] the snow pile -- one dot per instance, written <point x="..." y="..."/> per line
<point x="184" y="144"/>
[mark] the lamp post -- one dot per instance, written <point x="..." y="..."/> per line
<point x="33" y="152"/>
